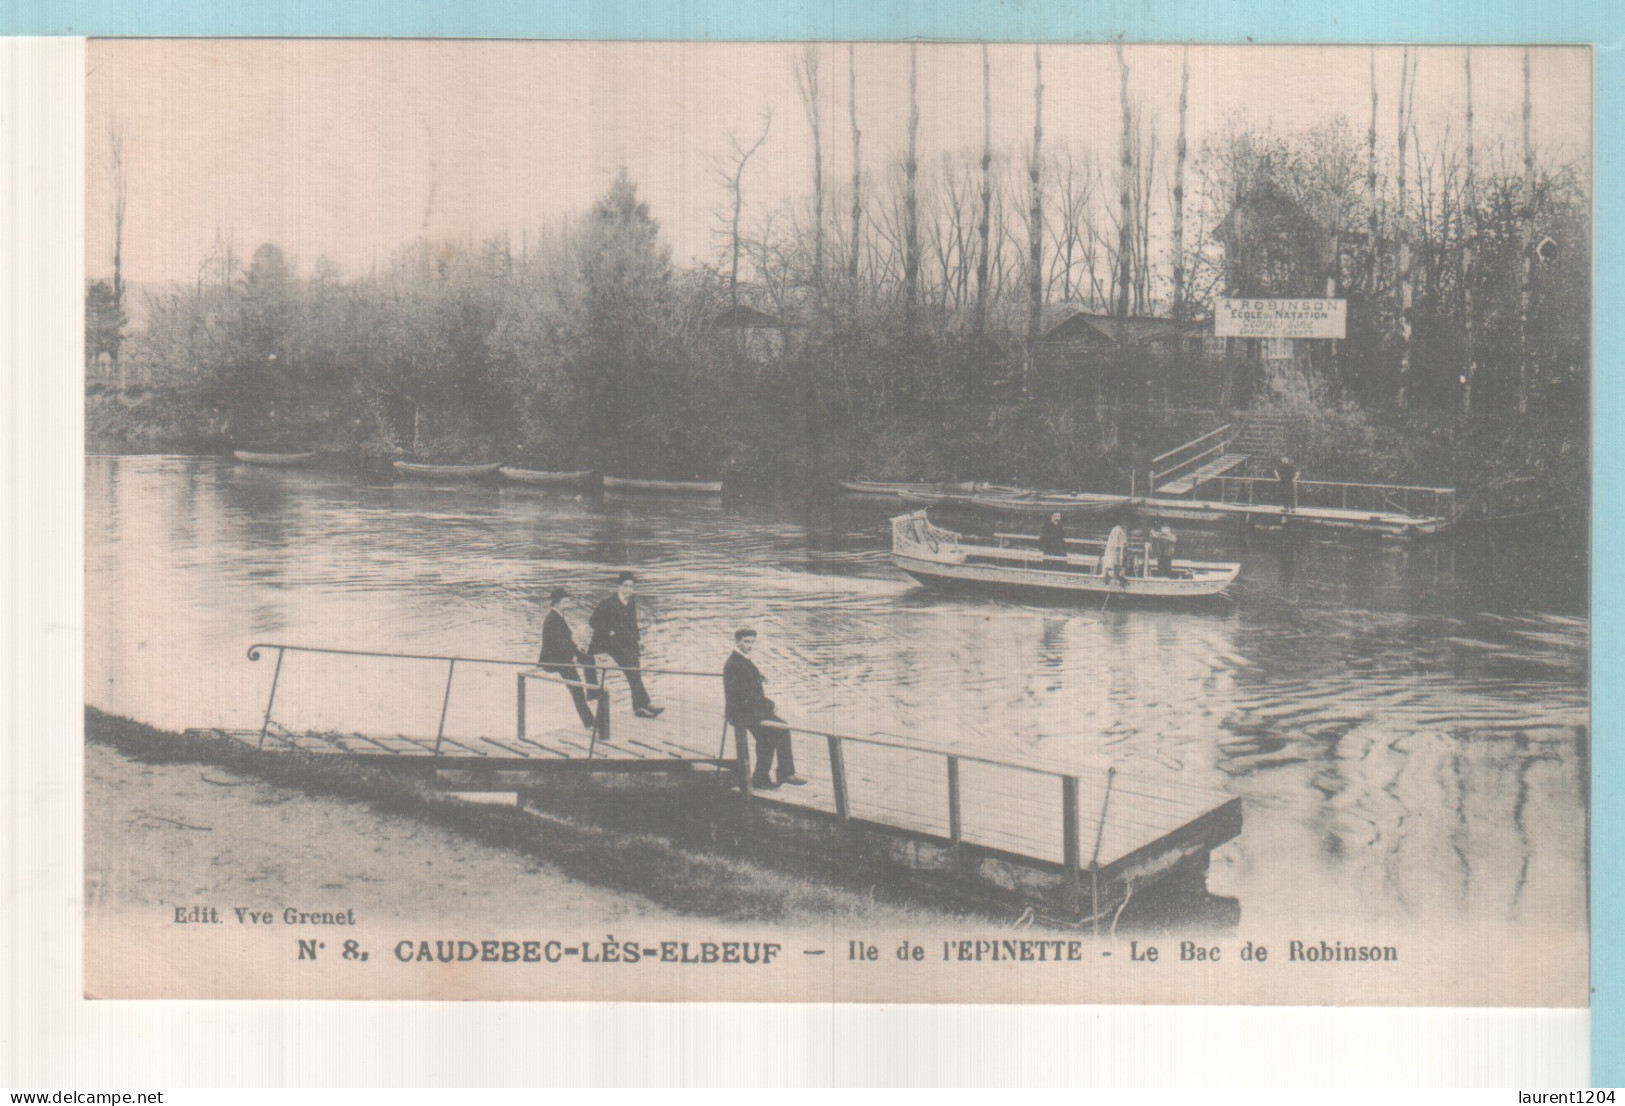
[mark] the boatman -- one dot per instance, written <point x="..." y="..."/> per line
<point x="1052" y="541"/>
<point x="560" y="655"/>
<point x="1162" y="548"/>
<point x="749" y="708"/>
<point x="615" y="635"/>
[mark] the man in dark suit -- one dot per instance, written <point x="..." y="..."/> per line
<point x="560" y="655"/>
<point x="1052" y="542"/>
<point x="749" y="708"/>
<point x="615" y="634"/>
<point x="1286" y="476"/>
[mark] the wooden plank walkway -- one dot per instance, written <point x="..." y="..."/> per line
<point x="1183" y="485"/>
<point x="1016" y="809"/>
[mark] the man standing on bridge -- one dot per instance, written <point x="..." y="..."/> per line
<point x="749" y="708"/>
<point x="1287" y="476"/>
<point x="615" y="634"/>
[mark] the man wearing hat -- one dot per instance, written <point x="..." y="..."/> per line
<point x="560" y="655"/>
<point x="615" y="634"/>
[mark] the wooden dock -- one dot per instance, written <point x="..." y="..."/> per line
<point x="1204" y="466"/>
<point x="1093" y="831"/>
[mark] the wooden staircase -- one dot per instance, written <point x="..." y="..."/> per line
<point x="1262" y="436"/>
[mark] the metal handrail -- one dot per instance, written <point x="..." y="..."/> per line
<point x="254" y="655"/>
<point x="1187" y="445"/>
<point x="1381" y="496"/>
<point x="600" y="729"/>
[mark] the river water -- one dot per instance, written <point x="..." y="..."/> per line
<point x="1405" y="723"/>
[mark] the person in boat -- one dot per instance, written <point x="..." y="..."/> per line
<point x="560" y="656"/>
<point x="1162" y="548"/>
<point x="1114" y="558"/>
<point x="1052" y="540"/>
<point x="1286" y="475"/>
<point x="615" y="635"/>
<point x="750" y="709"/>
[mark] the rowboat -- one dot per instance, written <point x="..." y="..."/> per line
<point x="1117" y="566"/>
<point x="888" y="487"/>
<point x="684" y="487"/>
<point x="249" y="457"/>
<point x="445" y="472"/>
<point x="1043" y="503"/>
<point x="536" y="476"/>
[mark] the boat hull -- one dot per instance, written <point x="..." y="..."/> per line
<point x="549" y="479"/>
<point x="897" y="488"/>
<point x="284" y="460"/>
<point x="445" y="472"/>
<point x="1060" y="583"/>
<point x="674" y="487"/>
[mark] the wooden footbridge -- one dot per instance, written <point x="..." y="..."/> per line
<point x="1209" y="465"/>
<point x="1099" y="832"/>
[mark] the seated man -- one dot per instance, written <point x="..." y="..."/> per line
<point x="750" y="709"/>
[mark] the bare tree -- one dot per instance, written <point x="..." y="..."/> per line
<point x="1179" y="187"/>
<point x="1035" y="228"/>
<point x="857" y="163"/>
<point x="1405" y="111"/>
<point x="1526" y="241"/>
<point x="733" y="175"/>
<point x="807" y="85"/>
<point x="911" y="203"/>
<point x="1373" y="248"/>
<point x="121" y="195"/>
<point x="1125" y="226"/>
<point x="987" y="193"/>
<point x="1470" y="212"/>
<point x="1070" y="232"/>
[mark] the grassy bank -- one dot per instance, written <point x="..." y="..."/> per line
<point x="677" y="873"/>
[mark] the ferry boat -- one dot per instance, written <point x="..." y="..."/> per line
<point x="942" y="558"/>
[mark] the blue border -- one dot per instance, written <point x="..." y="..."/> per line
<point x="1487" y="21"/>
<point x="1492" y="21"/>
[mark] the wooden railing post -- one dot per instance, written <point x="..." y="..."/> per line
<point x="445" y="703"/>
<point x="837" y="774"/>
<point x="956" y="828"/>
<point x="1094" y="859"/>
<point x="519" y="706"/>
<point x="271" y="700"/>
<point x="1071" y="855"/>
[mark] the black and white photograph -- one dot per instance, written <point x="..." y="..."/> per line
<point x="840" y="522"/>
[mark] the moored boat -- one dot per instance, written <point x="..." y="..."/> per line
<point x="445" y="472"/>
<point x="537" y="476"/>
<point x="251" y="457"/>
<point x="898" y="487"/>
<point x="681" y="487"/>
<point x="1116" y="566"/>
<point x="1043" y="503"/>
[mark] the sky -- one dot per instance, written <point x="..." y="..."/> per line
<point x="350" y="149"/>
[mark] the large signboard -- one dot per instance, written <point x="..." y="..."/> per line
<point x="1323" y="318"/>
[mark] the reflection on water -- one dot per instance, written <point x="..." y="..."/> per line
<point x="1403" y="721"/>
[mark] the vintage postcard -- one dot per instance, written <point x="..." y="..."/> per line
<point x="837" y="522"/>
